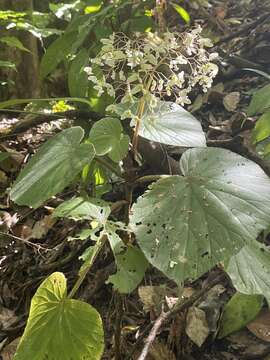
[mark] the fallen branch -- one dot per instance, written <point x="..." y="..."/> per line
<point x="181" y="305"/>
<point x="243" y="30"/>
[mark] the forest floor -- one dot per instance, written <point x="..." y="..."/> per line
<point x="33" y="244"/>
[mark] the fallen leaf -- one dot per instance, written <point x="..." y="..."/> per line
<point x="9" y="350"/>
<point x="220" y="12"/>
<point x="196" y="325"/>
<point x="152" y="297"/>
<point x="22" y="231"/>
<point x="238" y="312"/>
<point x="160" y="351"/>
<point x="231" y="100"/>
<point x="260" y="327"/>
<point x="197" y="104"/>
<point x="42" y="227"/>
<point x="212" y="305"/>
<point x="13" y="161"/>
<point x="7" y="220"/>
<point x="7" y="317"/>
<point x="247" y="346"/>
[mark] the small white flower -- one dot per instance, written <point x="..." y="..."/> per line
<point x="88" y="70"/>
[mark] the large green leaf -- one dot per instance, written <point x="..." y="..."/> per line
<point x="77" y="77"/>
<point x="186" y="225"/>
<point x="171" y="124"/>
<point x="108" y="138"/>
<point x="52" y="168"/>
<point x="60" y="328"/>
<point x="57" y="52"/>
<point x="260" y="101"/>
<point x="250" y="270"/>
<point x="238" y="312"/>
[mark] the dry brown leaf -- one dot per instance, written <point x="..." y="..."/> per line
<point x="220" y="12"/>
<point x="41" y="227"/>
<point x="7" y="220"/>
<point x="159" y="351"/>
<point x="196" y="325"/>
<point x="3" y="178"/>
<point x="13" y="162"/>
<point x="231" y="100"/>
<point x="9" y="351"/>
<point x="152" y="297"/>
<point x="260" y="327"/>
<point x="7" y="317"/>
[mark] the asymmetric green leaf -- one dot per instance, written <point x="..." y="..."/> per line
<point x="107" y="137"/>
<point x="52" y="168"/>
<point x="238" y="312"/>
<point x="171" y="124"/>
<point x="60" y="328"/>
<point x="187" y="224"/>
<point x="249" y="270"/>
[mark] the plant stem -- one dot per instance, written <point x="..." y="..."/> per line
<point x="150" y="178"/>
<point x="138" y="123"/>
<point x="87" y="266"/>
<point x="109" y="166"/>
<point x="118" y="321"/>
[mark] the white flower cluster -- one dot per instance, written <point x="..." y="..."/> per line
<point x="153" y="67"/>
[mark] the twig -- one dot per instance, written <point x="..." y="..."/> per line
<point x="27" y="123"/>
<point x="179" y="306"/>
<point x="243" y="29"/>
<point x="29" y="243"/>
<point x="117" y="331"/>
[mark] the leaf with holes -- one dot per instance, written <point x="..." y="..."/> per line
<point x="187" y="224"/>
<point x="250" y="270"/>
<point x="52" y="168"/>
<point x="60" y="327"/>
<point x="131" y="263"/>
<point x="238" y="312"/>
<point x="107" y="137"/>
